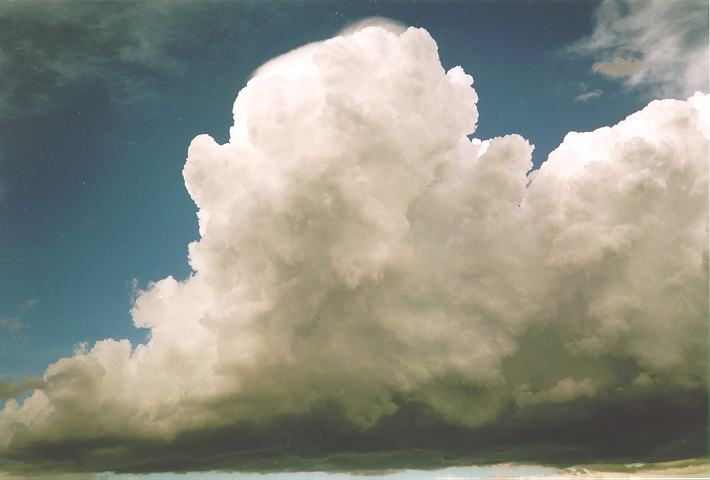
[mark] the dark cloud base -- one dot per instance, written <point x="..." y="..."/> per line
<point x="649" y="429"/>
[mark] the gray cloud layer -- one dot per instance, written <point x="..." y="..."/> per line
<point x="369" y="281"/>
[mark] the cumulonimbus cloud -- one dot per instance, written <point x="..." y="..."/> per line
<point x="360" y="255"/>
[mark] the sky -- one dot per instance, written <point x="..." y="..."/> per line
<point x="555" y="293"/>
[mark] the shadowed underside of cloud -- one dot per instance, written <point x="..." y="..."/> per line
<point x="624" y="429"/>
<point x="372" y="289"/>
<point x="65" y="49"/>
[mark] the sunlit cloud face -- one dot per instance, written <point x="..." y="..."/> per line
<point x="369" y="279"/>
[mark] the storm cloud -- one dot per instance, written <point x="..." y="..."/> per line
<point x="371" y="283"/>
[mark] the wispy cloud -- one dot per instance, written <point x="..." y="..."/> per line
<point x="55" y="50"/>
<point x="12" y="324"/>
<point x="29" y="304"/>
<point x="658" y="45"/>
<point x="619" y="67"/>
<point x="15" y="323"/>
<point x="688" y="468"/>
<point x="127" y="52"/>
<point x="586" y="96"/>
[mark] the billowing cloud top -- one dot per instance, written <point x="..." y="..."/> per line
<point x="359" y="255"/>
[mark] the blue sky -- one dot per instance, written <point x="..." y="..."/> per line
<point x="93" y="199"/>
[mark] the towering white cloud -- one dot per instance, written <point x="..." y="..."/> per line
<point x="356" y="245"/>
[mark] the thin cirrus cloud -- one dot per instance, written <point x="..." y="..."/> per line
<point x="15" y="324"/>
<point x="122" y="52"/>
<point x="11" y="324"/>
<point x="68" y="47"/>
<point x="656" y="45"/>
<point x="586" y="96"/>
<point x="29" y="304"/>
<point x="370" y="283"/>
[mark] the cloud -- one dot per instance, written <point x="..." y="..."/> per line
<point x="12" y="324"/>
<point x="65" y="49"/>
<point x="14" y="388"/>
<point x="564" y="391"/>
<point x="619" y="67"/>
<point x="656" y="45"/>
<point x="381" y="22"/>
<point x="690" y="468"/>
<point x="126" y="53"/>
<point x="29" y="304"/>
<point x="372" y="289"/>
<point x="48" y="476"/>
<point x="586" y="96"/>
